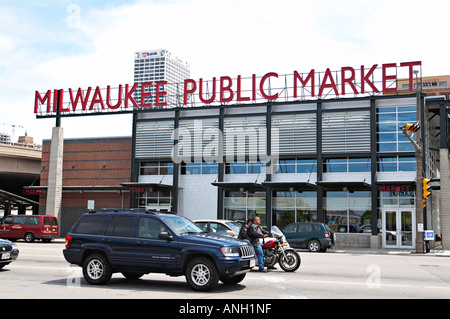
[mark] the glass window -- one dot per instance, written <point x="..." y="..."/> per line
<point x="90" y="224"/>
<point x="20" y="220"/>
<point x="121" y="226"/>
<point x="150" y="228"/>
<point x="7" y="220"/>
<point x="33" y="220"/>
<point x="348" y="212"/>
<point x="286" y="166"/>
<point x="306" y="166"/>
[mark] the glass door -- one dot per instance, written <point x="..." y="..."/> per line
<point x="398" y="228"/>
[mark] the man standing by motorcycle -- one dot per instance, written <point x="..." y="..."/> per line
<point x="255" y="232"/>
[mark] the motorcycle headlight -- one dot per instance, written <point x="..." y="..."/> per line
<point x="230" y="251"/>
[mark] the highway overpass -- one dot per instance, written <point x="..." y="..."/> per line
<point x="19" y="166"/>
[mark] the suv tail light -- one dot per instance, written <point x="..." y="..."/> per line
<point x="327" y="234"/>
<point x="68" y="241"/>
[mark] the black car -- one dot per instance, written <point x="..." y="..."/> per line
<point x="8" y="252"/>
<point x="312" y="236"/>
<point x="139" y="242"/>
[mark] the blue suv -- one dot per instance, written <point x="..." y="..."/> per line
<point x="139" y="242"/>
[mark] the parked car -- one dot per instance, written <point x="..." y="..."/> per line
<point x="219" y="227"/>
<point x="137" y="242"/>
<point x="8" y="252"/>
<point x="312" y="236"/>
<point x="29" y="227"/>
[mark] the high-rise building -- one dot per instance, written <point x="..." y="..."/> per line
<point x="160" y="65"/>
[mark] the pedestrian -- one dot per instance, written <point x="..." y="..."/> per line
<point x="243" y="232"/>
<point x="255" y="232"/>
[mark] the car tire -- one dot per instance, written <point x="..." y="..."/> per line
<point x="314" y="246"/>
<point x="201" y="274"/>
<point x="96" y="269"/>
<point x="29" y="237"/>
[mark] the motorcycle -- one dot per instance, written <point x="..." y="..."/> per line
<point x="277" y="249"/>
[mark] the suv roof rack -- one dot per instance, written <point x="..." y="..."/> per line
<point x="144" y="210"/>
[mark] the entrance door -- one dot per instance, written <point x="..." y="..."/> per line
<point x="398" y="228"/>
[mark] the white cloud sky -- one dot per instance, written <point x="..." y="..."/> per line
<point x="70" y="44"/>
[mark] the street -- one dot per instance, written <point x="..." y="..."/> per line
<point x="42" y="272"/>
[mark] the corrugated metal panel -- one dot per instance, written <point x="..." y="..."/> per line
<point x="296" y="134"/>
<point x="346" y="132"/>
<point x="154" y="139"/>
<point x="204" y="135"/>
<point x="253" y="129"/>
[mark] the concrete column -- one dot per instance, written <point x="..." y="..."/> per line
<point x="445" y="197"/>
<point x="54" y="189"/>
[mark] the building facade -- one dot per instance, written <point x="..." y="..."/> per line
<point x="343" y="162"/>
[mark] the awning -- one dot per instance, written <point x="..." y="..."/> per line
<point x="154" y="185"/>
<point x="340" y="185"/>
<point x="15" y="199"/>
<point x="239" y="185"/>
<point x="298" y="186"/>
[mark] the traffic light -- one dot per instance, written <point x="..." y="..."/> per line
<point x="413" y="128"/>
<point x="425" y="192"/>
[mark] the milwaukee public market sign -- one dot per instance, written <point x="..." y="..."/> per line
<point x="347" y="81"/>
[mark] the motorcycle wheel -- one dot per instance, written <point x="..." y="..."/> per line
<point x="291" y="262"/>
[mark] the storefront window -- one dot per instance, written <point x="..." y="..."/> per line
<point x="291" y="207"/>
<point x="159" y="200"/>
<point x="299" y="166"/>
<point x="348" y="212"/>
<point x="242" y="205"/>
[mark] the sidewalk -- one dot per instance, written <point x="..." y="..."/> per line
<point x="381" y="251"/>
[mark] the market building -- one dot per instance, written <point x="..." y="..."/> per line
<point x="244" y="147"/>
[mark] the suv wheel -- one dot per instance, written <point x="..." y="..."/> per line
<point x="201" y="274"/>
<point x="96" y="269"/>
<point x="314" y="246"/>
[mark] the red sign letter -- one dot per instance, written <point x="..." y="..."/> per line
<point x="411" y="64"/>
<point x="200" y="93"/>
<point x="348" y="81"/>
<point x="223" y="88"/>
<point x="187" y="91"/>
<point x="160" y="93"/>
<point x="310" y="77"/>
<point x="261" y="86"/>
<point x="145" y="94"/>
<point x="389" y="77"/>
<point x="129" y="95"/>
<point x="365" y="78"/>
<point x="332" y="85"/>
<point x="38" y="99"/>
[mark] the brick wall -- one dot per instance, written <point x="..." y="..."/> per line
<point x="90" y="162"/>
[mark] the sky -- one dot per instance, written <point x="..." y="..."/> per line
<point x="70" y="44"/>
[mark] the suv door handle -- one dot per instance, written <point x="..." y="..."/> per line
<point x="142" y="243"/>
<point x="105" y="240"/>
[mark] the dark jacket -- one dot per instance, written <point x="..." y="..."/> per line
<point x="243" y="233"/>
<point x="256" y="232"/>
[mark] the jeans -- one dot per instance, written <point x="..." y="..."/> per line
<point x="259" y="254"/>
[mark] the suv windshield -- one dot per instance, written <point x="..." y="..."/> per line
<point x="181" y="225"/>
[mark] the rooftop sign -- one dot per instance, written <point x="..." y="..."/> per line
<point x="345" y="82"/>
